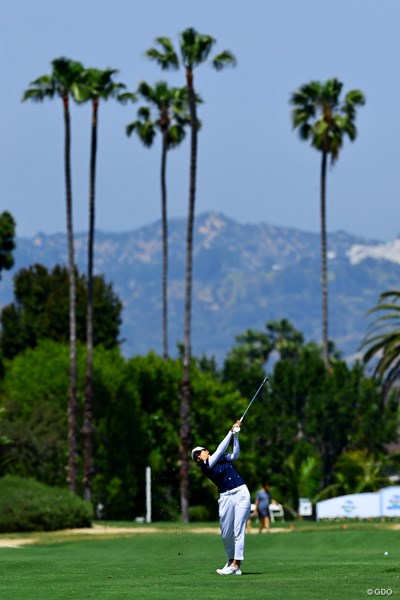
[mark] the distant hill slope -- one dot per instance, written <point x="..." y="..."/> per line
<point x="244" y="276"/>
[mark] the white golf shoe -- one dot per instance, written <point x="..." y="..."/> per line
<point x="229" y="570"/>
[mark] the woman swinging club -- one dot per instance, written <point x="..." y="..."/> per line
<point x="234" y="500"/>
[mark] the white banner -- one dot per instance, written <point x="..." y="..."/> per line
<point x="385" y="503"/>
<point x="352" y="506"/>
<point x="390" y="501"/>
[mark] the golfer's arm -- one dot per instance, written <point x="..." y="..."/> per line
<point x="236" y="449"/>
<point x="220" y="450"/>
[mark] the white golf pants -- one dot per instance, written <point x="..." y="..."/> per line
<point x="234" y="510"/>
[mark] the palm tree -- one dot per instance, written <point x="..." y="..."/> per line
<point x="383" y="339"/>
<point x="97" y="85"/>
<point x="356" y="472"/>
<point x="285" y="339"/>
<point x="171" y="120"/>
<point x="321" y="117"/>
<point x="303" y="475"/>
<point x="65" y="81"/>
<point x="195" y="49"/>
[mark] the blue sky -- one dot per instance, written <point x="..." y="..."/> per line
<point x="252" y="166"/>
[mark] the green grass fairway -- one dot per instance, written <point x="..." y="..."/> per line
<point x="311" y="562"/>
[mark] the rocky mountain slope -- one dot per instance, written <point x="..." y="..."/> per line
<point x="244" y="276"/>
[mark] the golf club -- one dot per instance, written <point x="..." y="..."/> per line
<point x="236" y="427"/>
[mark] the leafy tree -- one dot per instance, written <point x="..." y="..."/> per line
<point x="157" y="383"/>
<point x="97" y="85"/>
<point x="382" y="342"/>
<point x="356" y="472"/>
<point x="284" y="339"/>
<point x="64" y="81"/>
<point x="33" y="395"/>
<point x="301" y="424"/>
<point x="322" y="117"/>
<point x="7" y="241"/>
<point x="331" y="411"/>
<point x="119" y="437"/>
<point x="40" y="310"/>
<point x="246" y="373"/>
<point x="302" y="470"/>
<point x="195" y="49"/>
<point x="245" y="362"/>
<point x="171" y="120"/>
<point x="3" y="439"/>
<point x="346" y="414"/>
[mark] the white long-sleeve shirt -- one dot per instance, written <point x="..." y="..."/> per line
<point x="223" y="446"/>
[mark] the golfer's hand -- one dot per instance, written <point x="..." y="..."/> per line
<point x="236" y="427"/>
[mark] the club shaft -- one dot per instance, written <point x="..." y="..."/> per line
<point x="253" y="398"/>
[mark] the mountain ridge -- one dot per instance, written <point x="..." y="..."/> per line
<point x="243" y="277"/>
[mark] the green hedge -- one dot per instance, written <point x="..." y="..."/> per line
<point x="27" y="505"/>
<point x="200" y="513"/>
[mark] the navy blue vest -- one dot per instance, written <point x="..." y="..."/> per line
<point x="223" y="474"/>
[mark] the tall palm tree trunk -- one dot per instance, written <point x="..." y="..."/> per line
<point x="324" y="272"/>
<point x="88" y="406"/>
<point x="72" y="402"/>
<point x="164" y="243"/>
<point x="186" y="385"/>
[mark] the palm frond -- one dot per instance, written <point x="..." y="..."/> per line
<point x="386" y="306"/>
<point x="166" y="44"/>
<point x="305" y="131"/>
<point x="131" y="127"/>
<point x="224" y="59"/>
<point x="355" y="97"/>
<point x="145" y="90"/>
<point x="176" y="135"/>
<point x="330" y="92"/>
<point x="67" y="71"/>
<point x="126" y="97"/>
<point x="166" y="58"/>
<point x="41" y="88"/>
<point x="144" y="113"/>
<point x="37" y="95"/>
<point x="388" y="293"/>
<point x="195" y="47"/>
<point x="145" y="131"/>
<point x="386" y="371"/>
<point x="382" y="342"/>
<point x="328" y="120"/>
<point x="81" y="92"/>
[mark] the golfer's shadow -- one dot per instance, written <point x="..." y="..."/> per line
<point x="250" y="573"/>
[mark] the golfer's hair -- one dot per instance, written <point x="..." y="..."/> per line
<point x="196" y="454"/>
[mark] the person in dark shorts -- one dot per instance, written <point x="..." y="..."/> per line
<point x="263" y="500"/>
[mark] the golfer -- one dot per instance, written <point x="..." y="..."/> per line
<point x="234" y="499"/>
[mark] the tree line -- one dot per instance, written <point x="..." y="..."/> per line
<point x="313" y="432"/>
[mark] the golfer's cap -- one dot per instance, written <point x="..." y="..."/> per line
<point x="197" y="449"/>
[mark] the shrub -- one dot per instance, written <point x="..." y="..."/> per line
<point x="27" y="505"/>
<point x="199" y="513"/>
